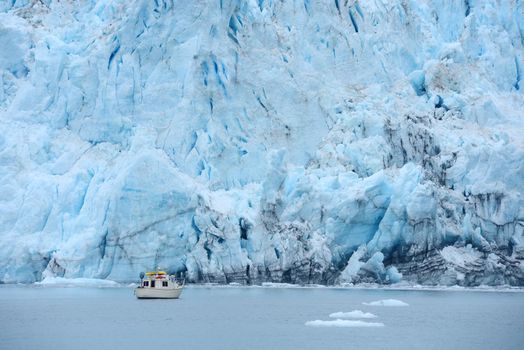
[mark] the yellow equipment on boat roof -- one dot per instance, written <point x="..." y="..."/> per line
<point x="154" y="273"/>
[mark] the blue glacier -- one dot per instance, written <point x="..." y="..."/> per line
<point x="291" y="141"/>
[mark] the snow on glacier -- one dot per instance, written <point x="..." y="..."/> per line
<point x="295" y="142"/>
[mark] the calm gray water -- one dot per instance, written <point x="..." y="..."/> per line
<point x="255" y="318"/>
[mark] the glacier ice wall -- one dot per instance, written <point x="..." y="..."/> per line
<point x="288" y="141"/>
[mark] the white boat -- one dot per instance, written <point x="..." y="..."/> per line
<point x="158" y="285"/>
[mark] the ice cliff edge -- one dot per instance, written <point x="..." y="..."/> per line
<point x="250" y="141"/>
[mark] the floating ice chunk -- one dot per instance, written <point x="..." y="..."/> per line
<point x="352" y="314"/>
<point x="387" y="302"/>
<point x="343" y="323"/>
<point x="77" y="282"/>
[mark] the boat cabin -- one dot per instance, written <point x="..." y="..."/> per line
<point x="157" y="279"/>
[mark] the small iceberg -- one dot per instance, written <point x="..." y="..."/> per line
<point x="352" y="314"/>
<point x="387" y="302"/>
<point x="343" y="323"/>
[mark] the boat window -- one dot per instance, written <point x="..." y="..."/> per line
<point x="164" y="283"/>
<point x="153" y="284"/>
<point x="146" y="283"/>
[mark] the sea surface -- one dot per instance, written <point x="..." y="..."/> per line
<point x="257" y="318"/>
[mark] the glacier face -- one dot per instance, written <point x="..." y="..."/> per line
<point x="248" y="141"/>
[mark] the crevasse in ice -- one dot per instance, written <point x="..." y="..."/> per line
<point x="249" y="141"/>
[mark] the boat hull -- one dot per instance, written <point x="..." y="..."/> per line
<point x="158" y="293"/>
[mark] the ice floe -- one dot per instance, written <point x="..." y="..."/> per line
<point x="387" y="302"/>
<point x="352" y="314"/>
<point x="343" y="323"/>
